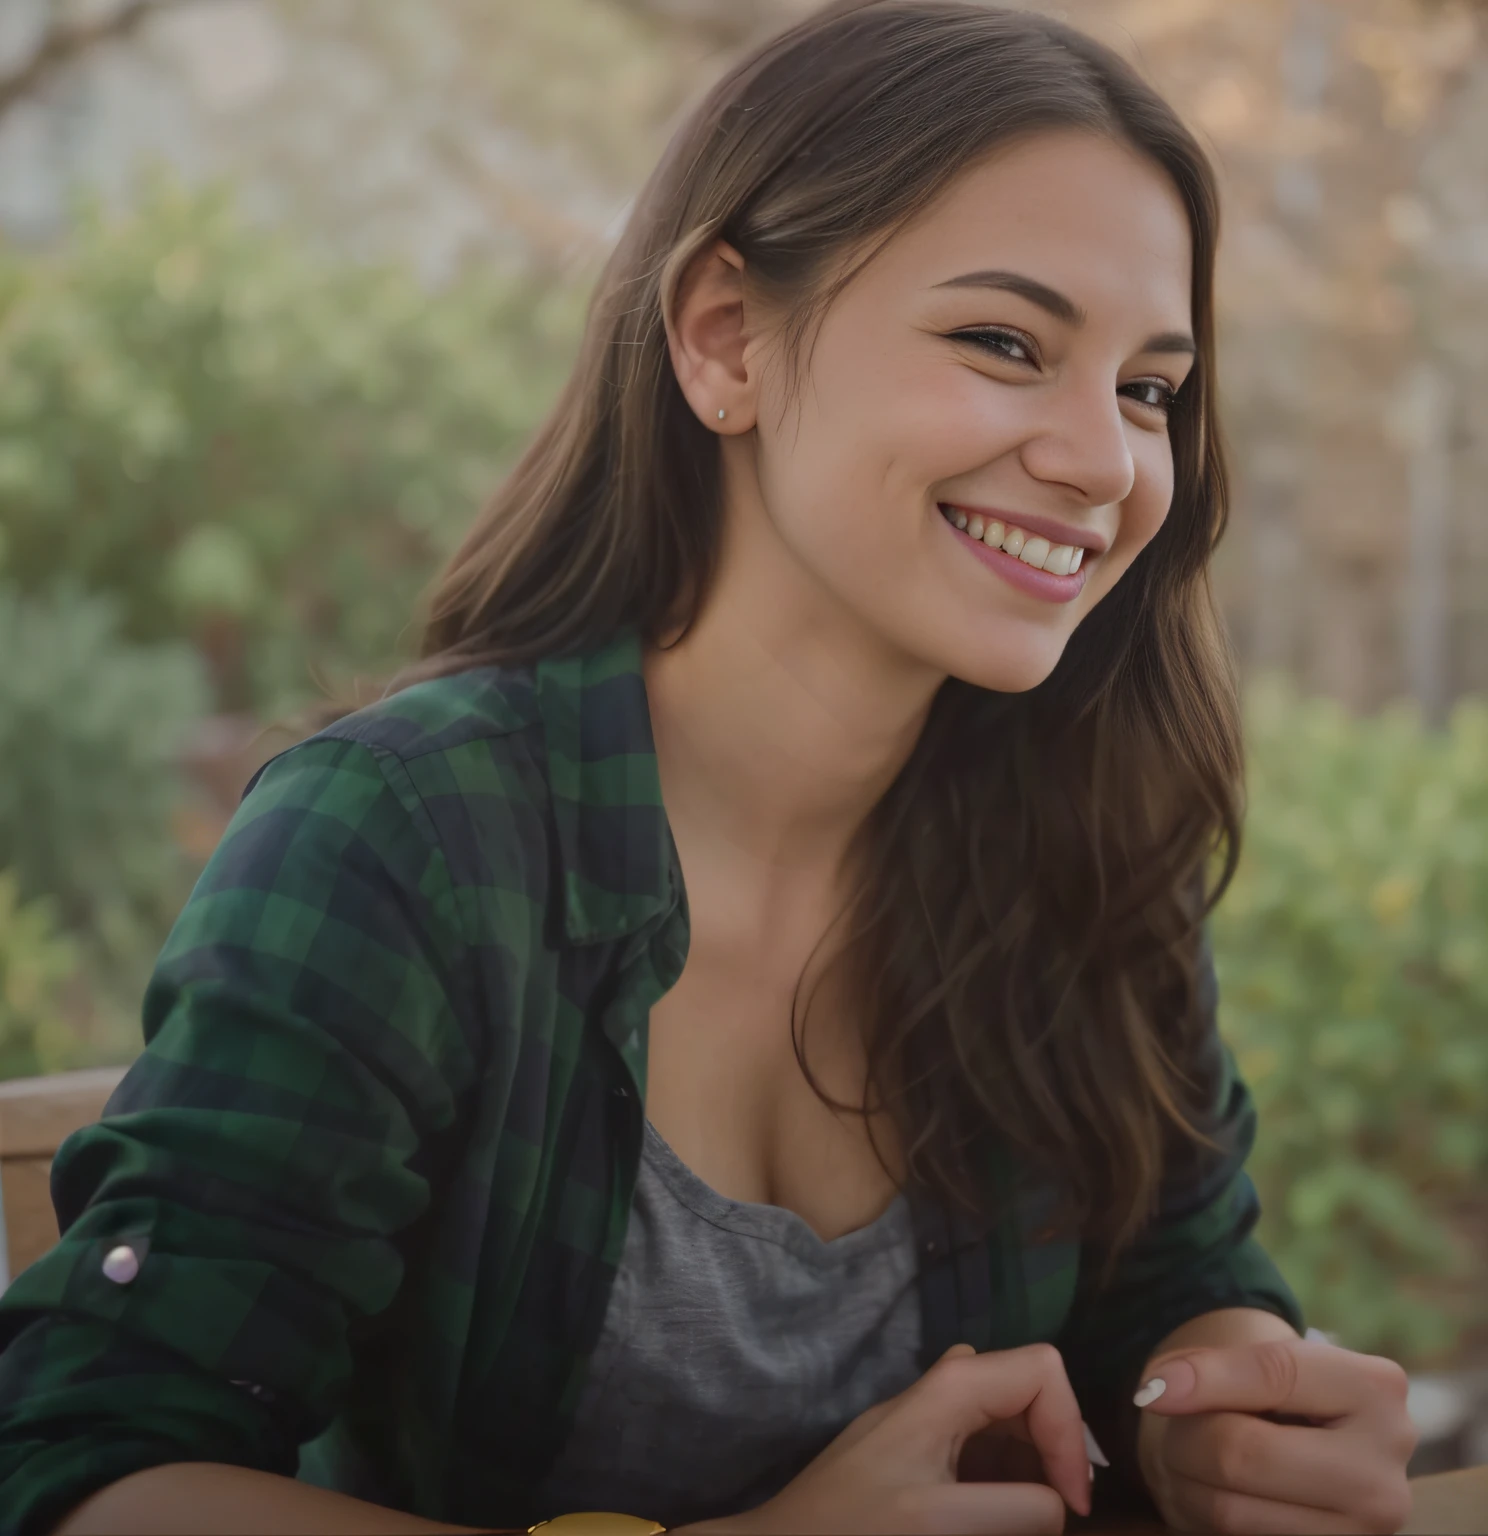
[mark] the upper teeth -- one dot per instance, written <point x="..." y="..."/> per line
<point x="1059" y="559"/>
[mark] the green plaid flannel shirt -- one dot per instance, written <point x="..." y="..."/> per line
<point x="378" y="1154"/>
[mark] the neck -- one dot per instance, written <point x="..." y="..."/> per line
<point x="780" y="720"/>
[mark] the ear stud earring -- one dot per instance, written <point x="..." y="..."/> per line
<point x="722" y="414"/>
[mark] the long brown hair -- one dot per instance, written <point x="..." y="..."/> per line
<point x="1024" y="943"/>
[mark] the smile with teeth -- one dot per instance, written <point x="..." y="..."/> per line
<point x="1057" y="559"/>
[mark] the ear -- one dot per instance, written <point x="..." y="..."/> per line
<point x="707" y="340"/>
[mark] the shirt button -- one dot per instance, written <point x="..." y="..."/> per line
<point x="121" y="1264"/>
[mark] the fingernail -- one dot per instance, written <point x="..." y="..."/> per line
<point x="1092" y="1448"/>
<point x="1090" y="1467"/>
<point x="1177" y="1381"/>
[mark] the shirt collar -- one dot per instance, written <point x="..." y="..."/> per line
<point x="619" y="864"/>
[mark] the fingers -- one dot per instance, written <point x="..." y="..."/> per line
<point x="1199" y="1507"/>
<point x="999" y="1454"/>
<point x="1291" y="1376"/>
<point x="962" y="1395"/>
<point x="1320" y="1469"/>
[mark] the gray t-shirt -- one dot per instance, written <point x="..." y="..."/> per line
<point x="736" y="1345"/>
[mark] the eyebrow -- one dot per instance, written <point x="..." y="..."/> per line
<point x="1062" y="308"/>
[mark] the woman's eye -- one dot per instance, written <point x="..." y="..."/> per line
<point x="1016" y="347"/>
<point x="1154" y="393"/>
<point x="1013" y="345"/>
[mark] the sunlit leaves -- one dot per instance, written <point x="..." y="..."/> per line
<point x="253" y="446"/>
<point x="1354" y="972"/>
<point x="215" y="569"/>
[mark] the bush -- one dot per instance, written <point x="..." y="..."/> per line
<point x="233" y="463"/>
<point x="1353" y="958"/>
<point x="251" y="446"/>
<point x="91" y="729"/>
<point x="35" y="963"/>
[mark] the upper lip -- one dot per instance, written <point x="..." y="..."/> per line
<point x="1046" y="527"/>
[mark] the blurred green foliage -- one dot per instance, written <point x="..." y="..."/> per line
<point x="91" y="732"/>
<point x="36" y="960"/>
<point x="253" y="446"/>
<point x="1352" y="952"/>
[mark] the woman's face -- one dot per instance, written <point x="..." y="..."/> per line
<point x="978" y="448"/>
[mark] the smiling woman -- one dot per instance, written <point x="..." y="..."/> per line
<point x="984" y="392"/>
<point x="732" y="1037"/>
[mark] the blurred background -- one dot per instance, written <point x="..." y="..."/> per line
<point x="285" y="283"/>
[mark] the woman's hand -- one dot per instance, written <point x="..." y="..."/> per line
<point x="893" y="1469"/>
<point x="1215" y="1461"/>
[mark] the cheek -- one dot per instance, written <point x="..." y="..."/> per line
<point x="1142" y="515"/>
<point x="858" y="437"/>
<point x="1147" y="506"/>
<point x="957" y="421"/>
<point x="875" y="428"/>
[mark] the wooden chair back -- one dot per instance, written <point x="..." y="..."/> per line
<point x="36" y="1116"/>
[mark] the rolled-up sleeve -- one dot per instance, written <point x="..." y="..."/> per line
<point x="1197" y="1255"/>
<point x="260" y="1160"/>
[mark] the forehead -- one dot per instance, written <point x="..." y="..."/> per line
<point x="1081" y="213"/>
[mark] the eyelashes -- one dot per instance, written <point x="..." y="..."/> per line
<point x="1014" y="346"/>
<point x="1001" y="341"/>
<point x="1166" y="395"/>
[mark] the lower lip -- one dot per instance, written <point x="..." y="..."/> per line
<point x="1044" y="584"/>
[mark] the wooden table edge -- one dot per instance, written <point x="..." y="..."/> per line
<point x="1445" y="1504"/>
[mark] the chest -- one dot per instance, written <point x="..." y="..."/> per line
<point x="726" y="1089"/>
<point x="537" y="1210"/>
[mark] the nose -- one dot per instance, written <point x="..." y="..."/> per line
<point x="1081" y="442"/>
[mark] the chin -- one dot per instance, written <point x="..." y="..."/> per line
<point x="1004" y="664"/>
<point x="1002" y="679"/>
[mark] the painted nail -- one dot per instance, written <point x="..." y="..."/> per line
<point x="1150" y="1391"/>
<point x="1092" y="1448"/>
